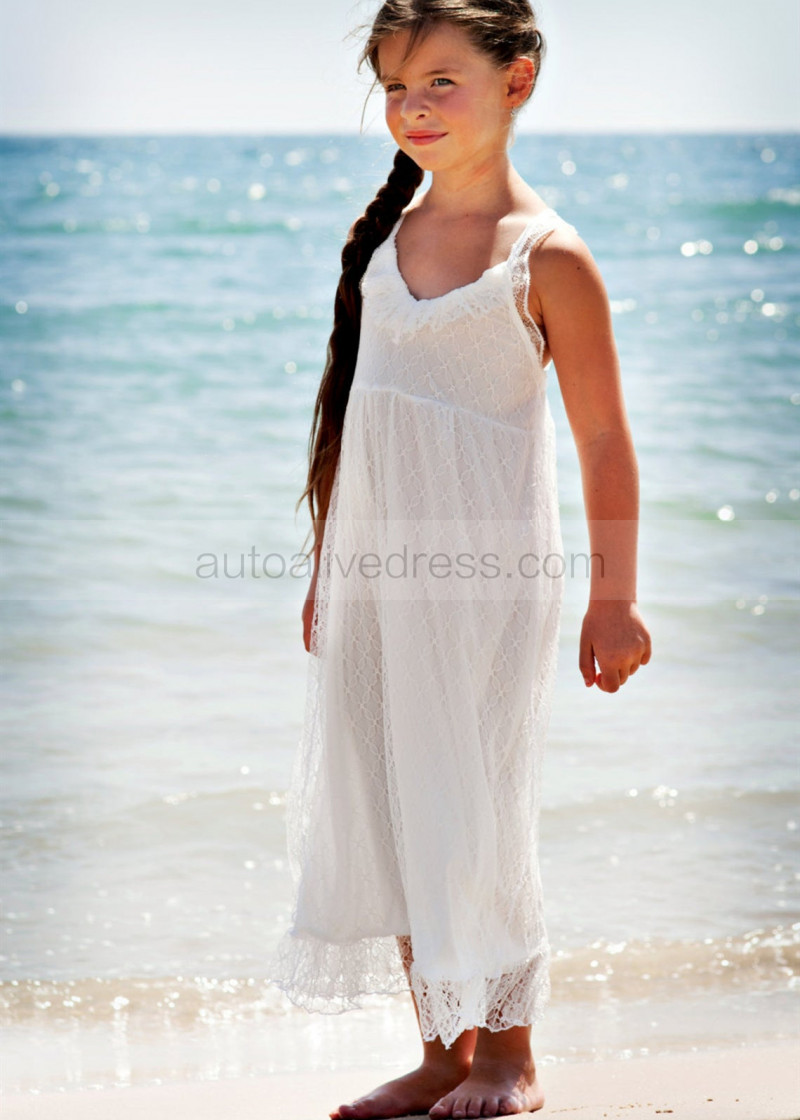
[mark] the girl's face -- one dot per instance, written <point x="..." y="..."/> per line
<point x="448" y="104"/>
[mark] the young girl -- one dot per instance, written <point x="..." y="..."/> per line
<point x="413" y="808"/>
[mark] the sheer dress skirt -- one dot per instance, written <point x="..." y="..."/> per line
<point x="413" y="808"/>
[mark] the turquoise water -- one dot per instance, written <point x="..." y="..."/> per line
<point x="164" y="310"/>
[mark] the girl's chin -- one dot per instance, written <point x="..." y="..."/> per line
<point x="425" y="156"/>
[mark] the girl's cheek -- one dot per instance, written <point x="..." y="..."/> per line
<point x="455" y="101"/>
<point x="392" y="115"/>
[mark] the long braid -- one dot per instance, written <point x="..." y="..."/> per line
<point x="371" y="229"/>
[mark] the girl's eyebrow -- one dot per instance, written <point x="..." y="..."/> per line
<point x="429" y="74"/>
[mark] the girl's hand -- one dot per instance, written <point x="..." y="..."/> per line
<point x="308" y="614"/>
<point x="613" y="635"/>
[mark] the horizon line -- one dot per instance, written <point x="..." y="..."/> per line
<point x="726" y="130"/>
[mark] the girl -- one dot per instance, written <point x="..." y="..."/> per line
<point x="413" y="808"/>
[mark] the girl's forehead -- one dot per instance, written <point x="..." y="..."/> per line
<point x="443" y="47"/>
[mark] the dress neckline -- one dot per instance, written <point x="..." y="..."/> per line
<point x="548" y="210"/>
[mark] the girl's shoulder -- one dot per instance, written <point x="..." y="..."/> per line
<point x="560" y="246"/>
<point x="559" y="230"/>
<point x="564" y="274"/>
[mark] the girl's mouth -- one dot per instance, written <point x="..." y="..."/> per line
<point x="424" y="137"/>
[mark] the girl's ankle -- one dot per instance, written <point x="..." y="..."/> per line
<point x="447" y="1063"/>
<point x="500" y="1048"/>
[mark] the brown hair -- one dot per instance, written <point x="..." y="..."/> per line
<point x="504" y="30"/>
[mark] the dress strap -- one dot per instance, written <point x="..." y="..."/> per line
<point x="536" y="231"/>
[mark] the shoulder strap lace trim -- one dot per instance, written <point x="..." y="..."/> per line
<point x="519" y="267"/>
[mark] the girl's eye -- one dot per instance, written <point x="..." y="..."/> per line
<point x="394" y="86"/>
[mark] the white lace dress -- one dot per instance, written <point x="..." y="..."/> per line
<point x="414" y="800"/>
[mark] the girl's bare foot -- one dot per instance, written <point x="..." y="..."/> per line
<point x="501" y="1082"/>
<point x="410" y="1095"/>
<point x="413" y="1094"/>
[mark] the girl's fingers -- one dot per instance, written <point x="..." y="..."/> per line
<point x="586" y="661"/>
<point x="609" y="680"/>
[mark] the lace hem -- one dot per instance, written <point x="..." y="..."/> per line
<point x="332" y="978"/>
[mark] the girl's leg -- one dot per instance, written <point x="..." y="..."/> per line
<point x="441" y="1070"/>
<point x="459" y="1056"/>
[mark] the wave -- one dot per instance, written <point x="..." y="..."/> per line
<point x="163" y="225"/>
<point x="761" y="960"/>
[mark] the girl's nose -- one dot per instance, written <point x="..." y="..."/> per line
<point x="414" y="107"/>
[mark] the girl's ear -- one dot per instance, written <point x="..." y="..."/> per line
<point x="519" y="80"/>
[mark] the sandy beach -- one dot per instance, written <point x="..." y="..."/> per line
<point x="761" y="1082"/>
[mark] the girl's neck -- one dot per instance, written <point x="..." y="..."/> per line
<point x="489" y="190"/>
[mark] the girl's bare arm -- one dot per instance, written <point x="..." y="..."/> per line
<point x="308" y="605"/>
<point x="568" y="295"/>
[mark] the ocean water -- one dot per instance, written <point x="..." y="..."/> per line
<point x="164" y="310"/>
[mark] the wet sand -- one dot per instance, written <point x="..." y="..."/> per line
<point x="761" y="1082"/>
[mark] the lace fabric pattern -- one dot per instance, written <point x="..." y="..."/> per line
<point x="413" y="807"/>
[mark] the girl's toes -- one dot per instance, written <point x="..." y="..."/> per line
<point x="474" y="1107"/>
<point x="505" y="1106"/>
<point x="491" y="1107"/>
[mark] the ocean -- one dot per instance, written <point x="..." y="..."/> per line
<point x="165" y="308"/>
